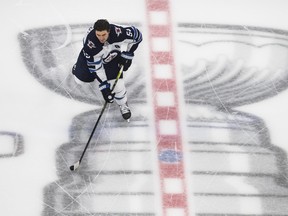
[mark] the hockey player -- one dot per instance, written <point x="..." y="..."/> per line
<point x="102" y="56"/>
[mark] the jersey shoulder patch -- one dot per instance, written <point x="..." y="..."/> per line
<point x="119" y="33"/>
<point x="92" y="44"/>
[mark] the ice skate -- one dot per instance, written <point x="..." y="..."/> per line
<point x="125" y="111"/>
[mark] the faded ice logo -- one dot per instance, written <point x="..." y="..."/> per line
<point x="224" y="67"/>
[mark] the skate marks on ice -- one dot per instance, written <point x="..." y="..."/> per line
<point x="235" y="65"/>
<point x="49" y="54"/>
<point x="234" y="168"/>
<point x="115" y="176"/>
<point x="11" y="144"/>
<point x="223" y="67"/>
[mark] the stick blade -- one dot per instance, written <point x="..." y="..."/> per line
<point x="75" y="166"/>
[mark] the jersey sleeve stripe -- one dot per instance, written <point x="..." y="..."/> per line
<point x="137" y="35"/>
<point x="94" y="63"/>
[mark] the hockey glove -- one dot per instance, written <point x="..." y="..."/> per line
<point x="126" y="60"/>
<point x="106" y="92"/>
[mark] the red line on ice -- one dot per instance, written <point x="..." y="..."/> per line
<point x="169" y="142"/>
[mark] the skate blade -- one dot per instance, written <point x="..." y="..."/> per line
<point x="128" y="120"/>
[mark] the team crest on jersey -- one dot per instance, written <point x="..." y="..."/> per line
<point x="118" y="31"/>
<point x="90" y="44"/>
<point x="110" y="57"/>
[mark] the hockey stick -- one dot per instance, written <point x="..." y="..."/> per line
<point x="77" y="164"/>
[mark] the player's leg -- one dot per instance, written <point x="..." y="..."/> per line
<point x="112" y="68"/>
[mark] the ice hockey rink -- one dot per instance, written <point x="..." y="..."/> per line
<point x="208" y="93"/>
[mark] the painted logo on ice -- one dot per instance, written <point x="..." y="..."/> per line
<point x="170" y="156"/>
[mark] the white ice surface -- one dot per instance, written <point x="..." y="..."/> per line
<point x="43" y="117"/>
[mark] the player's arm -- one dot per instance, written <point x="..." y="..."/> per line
<point x="94" y="61"/>
<point x="93" y="55"/>
<point x="133" y="38"/>
<point x="95" y="66"/>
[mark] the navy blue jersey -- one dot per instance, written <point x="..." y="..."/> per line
<point x="96" y="53"/>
